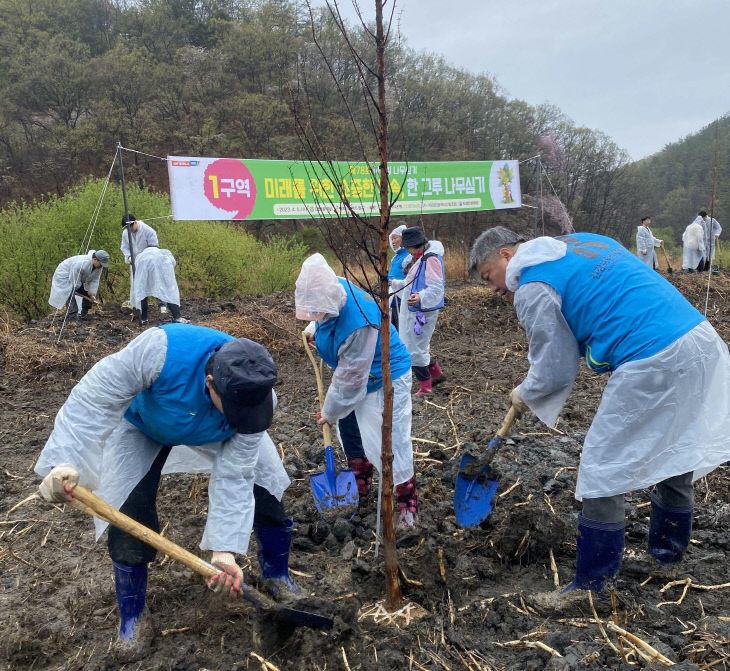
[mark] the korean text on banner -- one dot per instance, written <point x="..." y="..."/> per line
<point x="228" y="189"/>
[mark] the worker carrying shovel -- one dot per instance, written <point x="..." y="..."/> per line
<point x="178" y="398"/>
<point x="664" y="416"/>
<point x="347" y="337"/>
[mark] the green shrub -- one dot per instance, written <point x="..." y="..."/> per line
<point x="669" y="235"/>
<point x="215" y="259"/>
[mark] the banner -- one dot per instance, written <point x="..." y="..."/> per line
<point x="227" y="188"/>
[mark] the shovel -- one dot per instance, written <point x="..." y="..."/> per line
<point x="88" y="502"/>
<point x="95" y="301"/>
<point x="666" y="258"/>
<point x="331" y="490"/>
<point x="474" y="491"/>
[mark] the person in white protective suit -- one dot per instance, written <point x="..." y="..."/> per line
<point x="664" y="416"/>
<point x="178" y="398"/>
<point x="711" y="230"/>
<point x="397" y="268"/>
<point x="693" y="247"/>
<point x="155" y="276"/>
<point x="77" y="275"/>
<point x="347" y="336"/>
<point x="424" y="286"/>
<point x="645" y="243"/>
<point x="142" y="237"/>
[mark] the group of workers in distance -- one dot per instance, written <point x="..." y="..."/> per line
<point x="181" y="397"/>
<point x="699" y="243"/>
<point x="152" y="273"/>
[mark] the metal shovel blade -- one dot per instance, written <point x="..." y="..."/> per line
<point x="302" y="618"/>
<point x="282" y="613"/>
<point x="334" y="490"/>
<point x="473" y="494"/>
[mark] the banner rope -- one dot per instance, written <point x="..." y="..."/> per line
<point x="134" y="151"/>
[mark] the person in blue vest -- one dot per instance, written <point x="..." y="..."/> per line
<point x="347" y="336"/>
<point x="664" y="416"/>
<point x="424" y="288"/>
<point x="397" y="268"/>
<point x="178" y="398"/>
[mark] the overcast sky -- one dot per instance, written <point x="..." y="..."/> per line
<point x="645" y="72"/>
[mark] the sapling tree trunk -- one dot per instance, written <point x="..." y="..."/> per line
<point x="351" y="231"/>
<point x="394" y="597"/>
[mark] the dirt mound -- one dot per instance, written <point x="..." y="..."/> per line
<point x="57" y="602"/>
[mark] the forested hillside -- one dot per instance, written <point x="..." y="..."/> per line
<point x="679" y="180"/>
<point x="224" y="78"/>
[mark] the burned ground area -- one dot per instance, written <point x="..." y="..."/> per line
<point x="467" y="593"/>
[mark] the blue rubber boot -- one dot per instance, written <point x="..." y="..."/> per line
<point x="599" y="549"/>
<point x="669" y="531"/>
<point x="131" y="586"/>
<point x="273" y="554"/>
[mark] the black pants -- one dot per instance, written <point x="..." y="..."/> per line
<point x="394" y="310"/>
<point x="143" y="306"/>
<point x="674" y="491"/>
<point x="71" y="302"/>
<point x="422" y="372"/>
<point x="350" y="436"/>
<point x="141" y="505"/>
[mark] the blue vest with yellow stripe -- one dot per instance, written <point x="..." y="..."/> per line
<point x="618" y="308"/>
<point x="177" y="409"/>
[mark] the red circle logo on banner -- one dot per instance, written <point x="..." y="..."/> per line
<point x="229" y="185"/>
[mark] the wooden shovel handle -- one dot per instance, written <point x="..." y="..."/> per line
<point x="91" y="504"/>
<point x="326" y="431"/>
<point x="95" y="301"/>
<point x="94" y="505"/>
<point x="474" y="468"/>
<point x="507" y="423"/>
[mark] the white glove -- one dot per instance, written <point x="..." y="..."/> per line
<point x="517" y="402"/>
<point x="231" y="576"/>
<point x="127" y="260"/>
<point x="52" y="487"/>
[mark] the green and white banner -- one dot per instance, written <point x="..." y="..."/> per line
<point x="228" y="189"/>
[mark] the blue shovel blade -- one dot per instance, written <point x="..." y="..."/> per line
<point x="473" y="498"/>
<point x="332" y="490"/>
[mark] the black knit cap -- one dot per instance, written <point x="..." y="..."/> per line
<point x="413" y="237"/>
<point x="244" y="374"/>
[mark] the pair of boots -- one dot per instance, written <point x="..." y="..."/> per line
<point x="131" y="587"/>
<point x="405" y="492"/>
<point x="436" y="375"/>
<point x="601" y="544"/>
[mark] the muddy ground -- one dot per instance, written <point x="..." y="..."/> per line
<point x="57" y="603"/>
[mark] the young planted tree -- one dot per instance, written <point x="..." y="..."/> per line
<point x="357" y="233"/>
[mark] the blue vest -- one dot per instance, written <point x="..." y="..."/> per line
<point x="360" y="310"/>
<point x="419" y="283"/>
<point x="396" y="265"/>
<point x="177" y="409"/>
<point x="617" y="307"/>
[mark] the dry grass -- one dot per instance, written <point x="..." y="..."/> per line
<point x="32" y="355"/>
<point x="7" y="323"/>
<point x="274" y="329"/>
